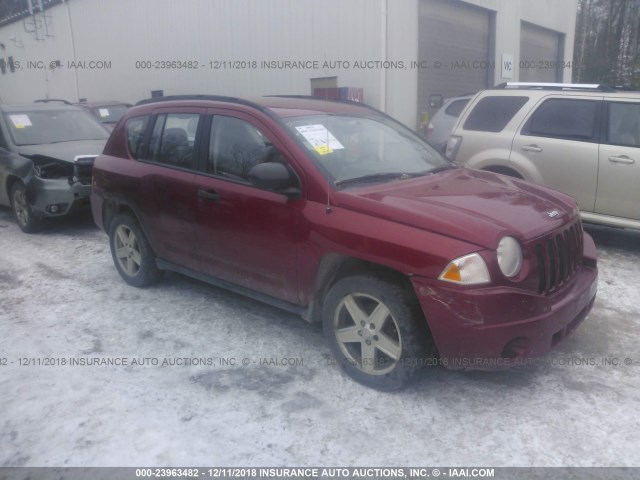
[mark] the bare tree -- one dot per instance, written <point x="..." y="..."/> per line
<point x="608" y="42"/>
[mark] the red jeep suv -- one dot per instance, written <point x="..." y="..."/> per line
<point x="337" y="212"/>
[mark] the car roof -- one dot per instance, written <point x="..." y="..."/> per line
<point x="460" y="97"/>
<point x="298" y="105"/>
<point x="543" y="89"/>
<point x="282" y="106"/>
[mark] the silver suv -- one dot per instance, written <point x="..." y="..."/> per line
<point x="443" y="121"/>
<point x="583" y="140"/>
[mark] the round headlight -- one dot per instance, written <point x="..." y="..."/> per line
<point x="509" y="256"/>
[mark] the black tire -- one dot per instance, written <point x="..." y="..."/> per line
<point x="27" y="220"/>
<point x="132" y="255"/>
<point x="394" y="326"/>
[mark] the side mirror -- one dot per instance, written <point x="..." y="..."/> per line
<point x="273" y="176"/>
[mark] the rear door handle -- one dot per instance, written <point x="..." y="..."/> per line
<point x="531" y="148"/>
<point x="622" y="159"/>
<point x="209" y="195"/>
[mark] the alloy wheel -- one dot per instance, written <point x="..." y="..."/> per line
<point x="20" y="206"/>
<point x="127" y="250"/>
<point x="367" y="334"/>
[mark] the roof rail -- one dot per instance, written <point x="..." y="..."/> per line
<point x="50" y="100"/>
<point x="625" y="88"/>
<point x="594" y="87"/>
<point x="318" y="97"/>
<point x="170" y="98"/>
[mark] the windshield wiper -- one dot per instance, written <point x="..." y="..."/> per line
<point x="442" y="168"/>
<point x="378" y="177"/>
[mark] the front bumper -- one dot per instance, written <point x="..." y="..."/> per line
<point x="496" y="327"/>
<point x="44" y="194"/>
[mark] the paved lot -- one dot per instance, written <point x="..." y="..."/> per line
<point x="61" y="300"/>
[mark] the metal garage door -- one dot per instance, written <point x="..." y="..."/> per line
<point x="460" y="37"/>
<point x="540" y="50"/>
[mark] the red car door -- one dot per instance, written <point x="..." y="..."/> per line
<point x="168" y="195"/>
<point x="246" y="235"/>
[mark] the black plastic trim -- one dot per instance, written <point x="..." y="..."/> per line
<point x="247" y="292"/>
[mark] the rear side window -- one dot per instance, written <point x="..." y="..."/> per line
<point x="491" y="114"/>
<point x="173" y="138"/>
<point x="563" y="118"/>
<point x="136" y="128"/>
<point x="456" y="107"/>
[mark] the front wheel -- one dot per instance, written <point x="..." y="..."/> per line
<point x="27" y="221"/>
<point x="132" y="255"/>
<point x="376" y="330"/>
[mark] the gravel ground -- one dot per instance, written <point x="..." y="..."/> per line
<point x="61" y="300"/>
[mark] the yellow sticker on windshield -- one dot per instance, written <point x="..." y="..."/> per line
<point x="20" y="121"/>
<point x="321" y="139"/>
<point x="323" y="149"/>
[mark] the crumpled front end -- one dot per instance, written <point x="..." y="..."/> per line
<point x="497" y="326"/>
<point x="57" y="187"/>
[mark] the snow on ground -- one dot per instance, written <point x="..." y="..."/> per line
<point x="61" y="299"/>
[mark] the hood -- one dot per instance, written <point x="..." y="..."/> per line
<point x="66" y="151"/>
<point x="473" y="206"/>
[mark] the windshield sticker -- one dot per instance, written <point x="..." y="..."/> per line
<point x="320" y="138"/>
<point x="104" y="112"/>
<point x="20" y="121"/>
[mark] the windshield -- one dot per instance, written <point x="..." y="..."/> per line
<point x="110" y="113"/>
<point x="52" y="126"/>
<point x="350" y="149"/>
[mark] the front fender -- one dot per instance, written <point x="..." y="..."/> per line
<point x="21" y="170"/>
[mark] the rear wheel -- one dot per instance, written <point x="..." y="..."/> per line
<point x="132" y="255"/>
<point x="376" y="330"/>
<point x="27" y="221"/>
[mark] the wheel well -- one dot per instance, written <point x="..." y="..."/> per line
<point x="111" y="209"/>
<point x="334" y="267"/>
<point x="11" y="180"/>
<point x="504" y="171"/>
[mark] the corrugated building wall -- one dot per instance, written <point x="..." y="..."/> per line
<point x="115" y="49"/>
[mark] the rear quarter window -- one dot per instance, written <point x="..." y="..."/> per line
<point x="491" y="114"/>
<point x="456" y="107"/>
<point x="563" y="118"/>
<point x="136" y="128"/>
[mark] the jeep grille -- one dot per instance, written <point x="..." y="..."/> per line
<point x="559" y="256"/>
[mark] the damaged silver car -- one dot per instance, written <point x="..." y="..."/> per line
<point x="46" y="160"/>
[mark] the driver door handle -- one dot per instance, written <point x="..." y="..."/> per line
<point x="209" y="195"/>
<point x="531" y="148"/>
<point x="622" y="159"/>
